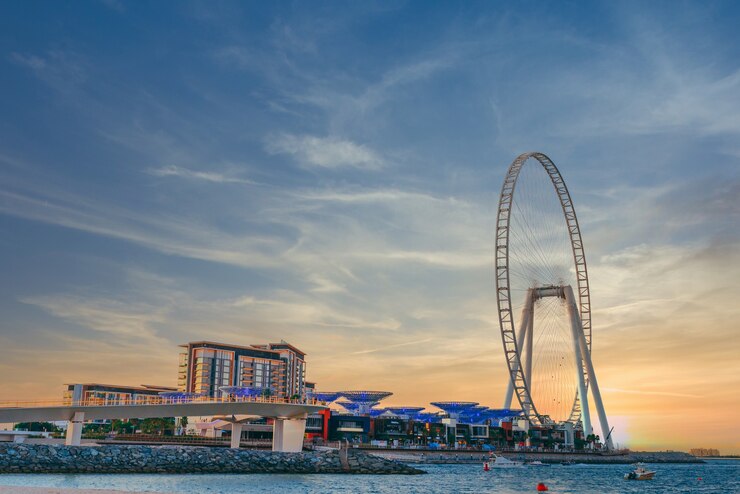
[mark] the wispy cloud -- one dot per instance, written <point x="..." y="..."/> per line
<point x="115" y="5"/>
<point x="207" y="176"/>
<point x="312" y="312"/>
<point x="325" y="285"/>
<point x="650" y="393"/>
<point x="389" y="347"/>
<point x="61" y="70"/>
<point x="448" y="259"/>
<point x="116" y="317"/>
<point x="374" y="196"/>
<point x="171" y="235"/>
<point x="325" y="152"/>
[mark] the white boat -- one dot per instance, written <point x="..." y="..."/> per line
<point x="537" y="463"/>
<point x="496" y="461"/>
<point x="640" y="473"/>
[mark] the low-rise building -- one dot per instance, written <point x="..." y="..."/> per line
<point x="111" y="394"/>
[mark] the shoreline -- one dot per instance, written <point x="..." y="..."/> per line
<point x="463" y="457"/>
<point x="124" y="459"/>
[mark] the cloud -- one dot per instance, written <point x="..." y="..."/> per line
<point x="181" y="236"/>
<point x="64" y="71"/>
<point x="311" y="312"/>
<point x="176" y="171"/>
<point x="235" y="56"/>
<point x="325" y="152"/>
<point x="381" y="196"/>
<point x="116" y="317"/>
<point x="325" y="285"/>
<point x="388" y="347"/>
<point x="375" y="94"/>
<point x="446" y="259"/>
<point x="650" y="393"/>
<point x="115" y="5"/>
<point x="33" y="62"/>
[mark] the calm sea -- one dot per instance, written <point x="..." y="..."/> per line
<point x="720" y="476"/>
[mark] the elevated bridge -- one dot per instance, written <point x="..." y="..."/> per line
<point x="288" y="428"/>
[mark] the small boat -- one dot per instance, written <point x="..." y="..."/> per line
<point x="640" y="473"/>
<point x="537" y="463"/>
<point x="496" y="461"/>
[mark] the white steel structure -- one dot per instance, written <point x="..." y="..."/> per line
<point x="543" y="297"/>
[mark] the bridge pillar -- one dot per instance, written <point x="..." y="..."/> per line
<point x="236" y="434"/>
<point x="74" y="429"/>
<point x="287" y="434"/>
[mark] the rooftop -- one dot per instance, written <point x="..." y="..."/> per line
<point x="284" y="345"/>
<point x="269" y="347"/>
<point x="141" y="387"/>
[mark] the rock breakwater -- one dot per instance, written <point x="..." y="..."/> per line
<point x="38" y="458"/>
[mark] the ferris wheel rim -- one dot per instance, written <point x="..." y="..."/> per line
<point x="503" y="289"/>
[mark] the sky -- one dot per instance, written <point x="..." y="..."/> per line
<point x="328" y="174"/>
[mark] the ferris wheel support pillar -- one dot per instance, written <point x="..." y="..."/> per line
<point x="577" y="332"/>
<point x="523" y="329"/>
<point x="528" y="343"/>
<point x="603" y="422"/>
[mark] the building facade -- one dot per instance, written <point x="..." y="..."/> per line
<point x="277" y="368"/>
<point x="111" y="394"/>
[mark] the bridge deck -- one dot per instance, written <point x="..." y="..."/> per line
<point x="51" y="411"/>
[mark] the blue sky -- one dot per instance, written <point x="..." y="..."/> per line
<point x="328" y="174"/>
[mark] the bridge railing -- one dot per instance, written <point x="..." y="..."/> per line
<point x="157" y="400"/>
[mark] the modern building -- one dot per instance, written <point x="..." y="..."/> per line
<point x="277" y="368"/>
<point x="347" y="427"/>
<point x="111" y="394"/>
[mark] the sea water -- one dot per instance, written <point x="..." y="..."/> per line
<point x="715" y="476"/>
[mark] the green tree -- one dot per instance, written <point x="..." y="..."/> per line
<point x="124" y="426"/>
<point x="96" y="428"/>
<point x="159" y="426"/>
<point x="592" y="438"/>
<point x="37" y="427"/>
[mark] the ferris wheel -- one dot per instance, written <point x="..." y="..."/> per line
<point x="543" y="296"/>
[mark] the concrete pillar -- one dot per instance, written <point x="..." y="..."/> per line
<point x="236" y="434"/>
<point x="569" y="435"/>
<point x="74" y="429"/>
<point x="287" y="435"/>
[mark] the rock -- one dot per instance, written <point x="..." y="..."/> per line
<point x="182" y="459"/>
